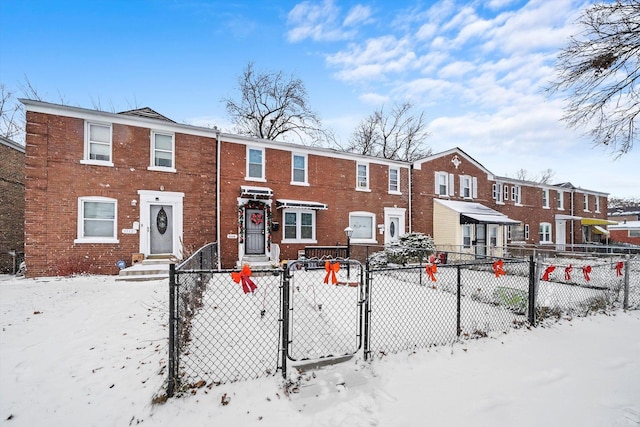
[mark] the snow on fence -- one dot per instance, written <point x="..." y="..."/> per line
<point x="316" y="309"/>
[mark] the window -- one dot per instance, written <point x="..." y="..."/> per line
<point x="516" y="192"/>
<point x="545" y="232"/>
<point x="466" y="187"/>
<point x="362" y="179"/>
<point x="97" y="149"/>
<point x="506" y="193"/>
<point x="466" y="236"/>
<point x="585" y="204"/>
<point x="597" y="199"/>
<point x="493" y="235"/>
<point x="560" y="200"/>
<point x="394" y="180"/>
<point x="255" y="164"/>
<point x="444" y="184"/>
<point x="363" y="225"/>
<point x="496" y="191"/>
<point x="299" y="226"/>
<point x="526" y="232"/>
<point x="97" y="220"/>
<point x="298" y="169"/>
<point x="634" y="233"/>
<point x="162" y="151"/>
<point x="545" y="198"/>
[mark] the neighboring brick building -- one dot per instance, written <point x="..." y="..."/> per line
<point x="11" y="203"/>
<point x="101" y="187"/>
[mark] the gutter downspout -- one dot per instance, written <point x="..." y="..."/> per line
<point x="219" y="252"/>
<point x="410" y="198"/>
<point x="573" y="228"/>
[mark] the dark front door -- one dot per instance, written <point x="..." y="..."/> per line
<point x="254" y="227"/>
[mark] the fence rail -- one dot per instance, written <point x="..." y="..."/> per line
<point x="222" y="330"/>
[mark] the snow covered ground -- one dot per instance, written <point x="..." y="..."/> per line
<point x="91" y="351"/>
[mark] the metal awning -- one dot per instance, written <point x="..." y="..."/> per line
<point x="246" y="191"/>
<point x="567" y="217"/>
<point x="597" y="221"/>
<point x="476" y="213"/>
<point x="300" y="204"/>
<point x="599" y="230"/>
<point x="489" y="219"/>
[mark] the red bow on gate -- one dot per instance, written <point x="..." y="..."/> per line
<point x="548" y="271"/>
<point x="619" y="267"/>
<point x="586" y="270"/>
<point x="567" y="272"/>
<point x="431" y="271"/>
<point x="331" y="270"/>
<point x="497" y="268"/>
<point x="243" y="276"/>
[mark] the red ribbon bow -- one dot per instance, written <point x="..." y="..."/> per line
<point x="586" y="270"/>
<point x="431" y="271"/>
<point x="497" y="268"/>
<point x="567" y="272"/>
<point x="548" y="271"/>
<point x="619" y="267"/>
<point x="331" y="269"/>
<point x="243" y="276"/>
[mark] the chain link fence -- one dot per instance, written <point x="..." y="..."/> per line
<point x="234" y="325"/>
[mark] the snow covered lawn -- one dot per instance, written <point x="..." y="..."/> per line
<point x="92" y="351"/>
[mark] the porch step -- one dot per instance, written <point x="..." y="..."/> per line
<point x="149" y="269"/>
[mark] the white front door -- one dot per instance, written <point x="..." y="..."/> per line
<point x="561" y="234"/>
<point x="161" y="223"/>
<point x="394" y="224"/>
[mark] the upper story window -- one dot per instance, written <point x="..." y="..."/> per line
<point x="363" y="225"/>
<point x="162" y="152"/>
<point x="299" y="169"/>
<point x="299" y="226"/>
<point x="444" y="184"/>
<point x="255" y="164"/>
<point x="545" y="232"/>
<point x="394" y="180"/>
<point x="362" y="178"/>
<point x="97" y="220"/>
<point x="597" y="203"/>
<point x="496" y="192"/>
<point x="516" y="194"/>
<point x="545" y="198"/>
<point x="97" y="146"/>
<point x="506" y="193"/>
<point x="585" y="204"/>
<point x="468" y="187"/>
<point x="560" y="200"/>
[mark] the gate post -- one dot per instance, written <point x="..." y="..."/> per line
<point x="285" y="320"/>
<point x="366" y="308"/>
<point x="532" y="291"/>
<point x="172" y="325"/>
<point x="625" y="303"/>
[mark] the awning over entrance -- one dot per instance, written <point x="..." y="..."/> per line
<point x="471" y="212"/>
<point x="599" y="230"/>
<point x="567" y="217"/>
<point x="264" y="192"/>
<point x="300" y="204"/>
<point x="597" y="221"/>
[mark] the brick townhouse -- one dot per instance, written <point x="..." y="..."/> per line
<point x="11" y="203"/>
<point x="101" y="187"/>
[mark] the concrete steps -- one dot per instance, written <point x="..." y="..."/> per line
<point x="149" y="269"/>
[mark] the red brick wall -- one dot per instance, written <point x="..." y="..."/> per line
<point x="55" y="180"/>
<point x="622" y="236"/>
<point x="11" y="205"/>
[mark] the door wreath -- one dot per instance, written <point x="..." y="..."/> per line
<point x="256" y="218"/>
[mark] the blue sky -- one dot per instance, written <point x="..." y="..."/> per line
<point x="476" y="68"/>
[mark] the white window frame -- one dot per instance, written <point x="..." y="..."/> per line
<point x="81" y="238"/>
<point x="544" y="233"/>
<point x="298" y="213"/>
<point x="448" y="184"/>
<point x="305" y="182"/>
<point x="362" y="185"/>
<point x="516" y="194"/>
<point x="634" y="233"/>
<point x="597" y="206"/>
<point x="585" y="203"/>
<point x="363" y="214"/>
<point x="560" y="200"/>
<point x="262" y="177"/>
<point x="505" y="193"/>
<point x="526" y="232"/>
<point x="466" y="183"/>
<point x="469" y="229"/>
<point x="496" y="192"/>
<point x="395" y="190"/>
<point x="87" y="160"/>
<point x="545" y="198"/>
<point x="152" y="150"/>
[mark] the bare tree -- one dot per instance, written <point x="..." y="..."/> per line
<point x="398" y="134"/>
<point x="11" y="114"/>
<point x="544" y="177"/>
<point x="274" y="106"/>
<point x="598" y="71"/>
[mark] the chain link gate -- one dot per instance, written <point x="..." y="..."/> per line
<point x="323" y="309"/>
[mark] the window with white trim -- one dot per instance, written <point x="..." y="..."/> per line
<point x="634" y="233"/>
<point x="362" y="176"/>
<point x="585" y="204"/>
<point x="516" y="193"/>
<point x="466" y="187"/>
<point x="545" y="232"/>
<point x="299" y="226"/>
<point x="98" y="145"/>
<point x="299" y="169"/>
<point x="97" y="220"/>
<point x="597" y="203"/>
<point x="255" y="164"/>
<point x="466" y="236"/>
<point x="506" y="193"/>
<point x="545" y="198"/>
<point x="162" y="151"/>
<point x="560" y="200"/>
<point x="496" y="192"/>
<point x="394" y="180"/>
<point x="493" y="234"/>
<point x="363" y="225"/>
<point x="526" y="232"/>
<point x="444" y="184"/>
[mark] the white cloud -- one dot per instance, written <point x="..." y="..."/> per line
<point x="357" y="14"/>
<point x="322" y="22"/>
